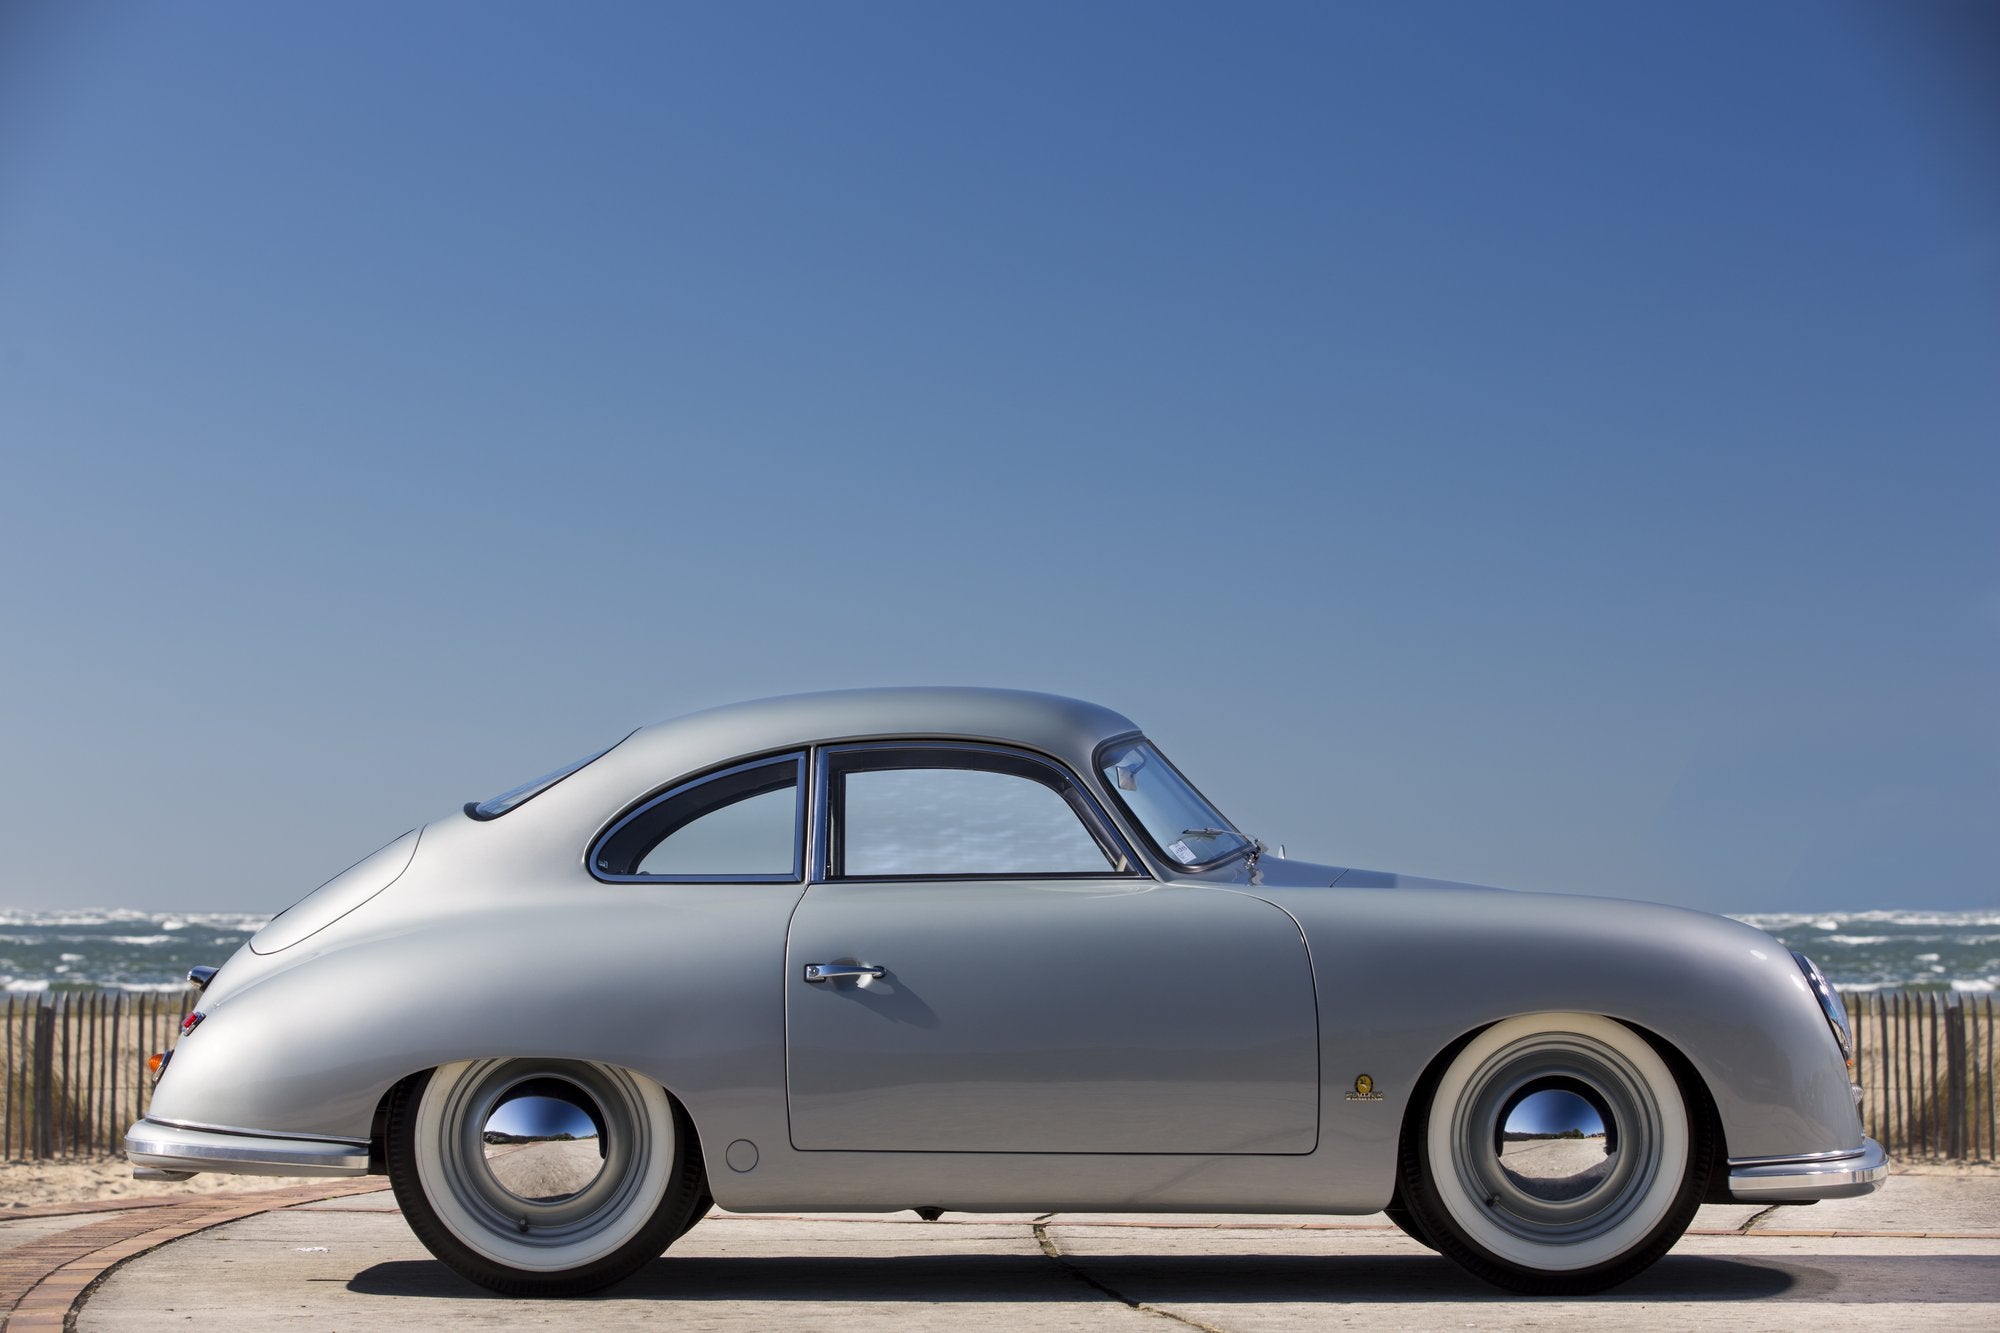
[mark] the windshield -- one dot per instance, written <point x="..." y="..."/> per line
<point x="528" y="791"/>
<point x="1181" y="823"/>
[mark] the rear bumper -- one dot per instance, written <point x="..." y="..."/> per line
<point x="156" y="1146"/>
<point x="1806" y="1179"/>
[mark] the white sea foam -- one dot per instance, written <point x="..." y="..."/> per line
<point x="24" y="985"/>
<point x="1973" y="985"/>
<point x="114" y="916"/>
<point x="140" y="939"/>
<point x="244" y="921"/>
<point x="1780" y="921"/>
<point x="1875" y="916"/>
<point x="62" y="919"/>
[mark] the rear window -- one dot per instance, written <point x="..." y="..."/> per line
<point x="515" y="797"/>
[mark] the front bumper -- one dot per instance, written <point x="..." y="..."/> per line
<point x="155" y="1146"/>
<point x="1807" y="1179"/>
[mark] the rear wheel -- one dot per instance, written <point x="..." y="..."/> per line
<point x="542" y="1177"/>
<point x="1557" y="1155"/>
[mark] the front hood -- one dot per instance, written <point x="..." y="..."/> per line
<point x="1275" y="872"/>
<point x="1389" y="879"/>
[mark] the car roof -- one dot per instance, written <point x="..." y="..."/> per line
<point x="1069" y="729"/>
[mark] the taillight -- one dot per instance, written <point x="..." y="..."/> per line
<point x="191" y="1022"/>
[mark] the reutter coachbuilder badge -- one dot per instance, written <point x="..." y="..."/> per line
<point x="1364" y="1090"/>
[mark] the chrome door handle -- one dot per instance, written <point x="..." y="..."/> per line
<point x="839" y="972"/>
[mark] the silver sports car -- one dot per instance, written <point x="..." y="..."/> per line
<point x="987" y="950"/>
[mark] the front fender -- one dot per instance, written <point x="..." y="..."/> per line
<point x="1405" y="971"/>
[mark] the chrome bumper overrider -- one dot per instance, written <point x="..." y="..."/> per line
<point x="1804" y="1179"/>
<point x="150" y="1145"/>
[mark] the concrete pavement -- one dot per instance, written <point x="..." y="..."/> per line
<point x="1926" y="1248"/>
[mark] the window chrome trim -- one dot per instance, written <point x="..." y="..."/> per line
<point x="1138" y="826"/>
<point x="801" y="771"/>
<point x="1121" y="862"/>
<point x="816" y="824"/>
<point x="515" y="797"/>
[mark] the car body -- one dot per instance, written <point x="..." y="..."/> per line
<point x="946" y="948"/>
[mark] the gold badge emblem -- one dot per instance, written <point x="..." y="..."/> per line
<point x="1364" y="1090"/>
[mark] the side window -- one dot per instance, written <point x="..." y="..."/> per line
<point x="744" y="823"/>
<point x="953" y="811"/>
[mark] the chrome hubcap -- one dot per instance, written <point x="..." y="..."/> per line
<point x="1558" y="1136"/>
<point x="545" y="1152"/>
<point x="1554" y="1139"/>
<point x="545" y="1142"/>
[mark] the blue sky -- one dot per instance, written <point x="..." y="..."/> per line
<point x="1550" y="444"/>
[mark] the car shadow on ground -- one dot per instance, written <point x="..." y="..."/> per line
<point x="1224" y="1280"/>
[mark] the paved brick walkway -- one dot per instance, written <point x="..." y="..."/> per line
<point x="41" y="1280"/>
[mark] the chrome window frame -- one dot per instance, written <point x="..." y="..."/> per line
<point x="1138" y="825"/>
<point x="801" y="805"/>
<point x="1120" y="860"/>
<point x="516" y="797"/>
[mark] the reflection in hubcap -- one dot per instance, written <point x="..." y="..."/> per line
<point x="1556" y="1140"/>
<point x="544" y="1141"/>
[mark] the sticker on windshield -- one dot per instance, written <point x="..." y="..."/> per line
<point x="1181" y="852"/>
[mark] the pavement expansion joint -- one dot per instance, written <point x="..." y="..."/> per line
<point x="1750" y="1222"/>
<point x="1054" y="1252"/>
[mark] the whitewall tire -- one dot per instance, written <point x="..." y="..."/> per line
<point x="542" y="1177"/>
<point x="1556" y="1153"/>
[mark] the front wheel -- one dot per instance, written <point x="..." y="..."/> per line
<point x="1556" y="1155"/>
<point x="542" y="1177"/>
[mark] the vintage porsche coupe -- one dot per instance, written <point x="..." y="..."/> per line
<point x="986" y="950"/>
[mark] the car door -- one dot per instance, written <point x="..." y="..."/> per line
<point x="979" y="964"/>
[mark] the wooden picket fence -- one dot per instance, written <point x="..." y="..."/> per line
<point x="75" y="1078"/>
<point x="1924" y="1060"/>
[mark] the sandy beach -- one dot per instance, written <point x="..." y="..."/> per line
<point x="39" y="1184"/>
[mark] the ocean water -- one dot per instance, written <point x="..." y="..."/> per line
<point x="1868" y="951"/>
<point x="140" y="951"/>
<point x="119" y="949"/>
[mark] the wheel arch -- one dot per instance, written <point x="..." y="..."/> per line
<point x="414" y="1082"/>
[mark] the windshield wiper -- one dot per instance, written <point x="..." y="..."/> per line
<point x="1253" y="847"/>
